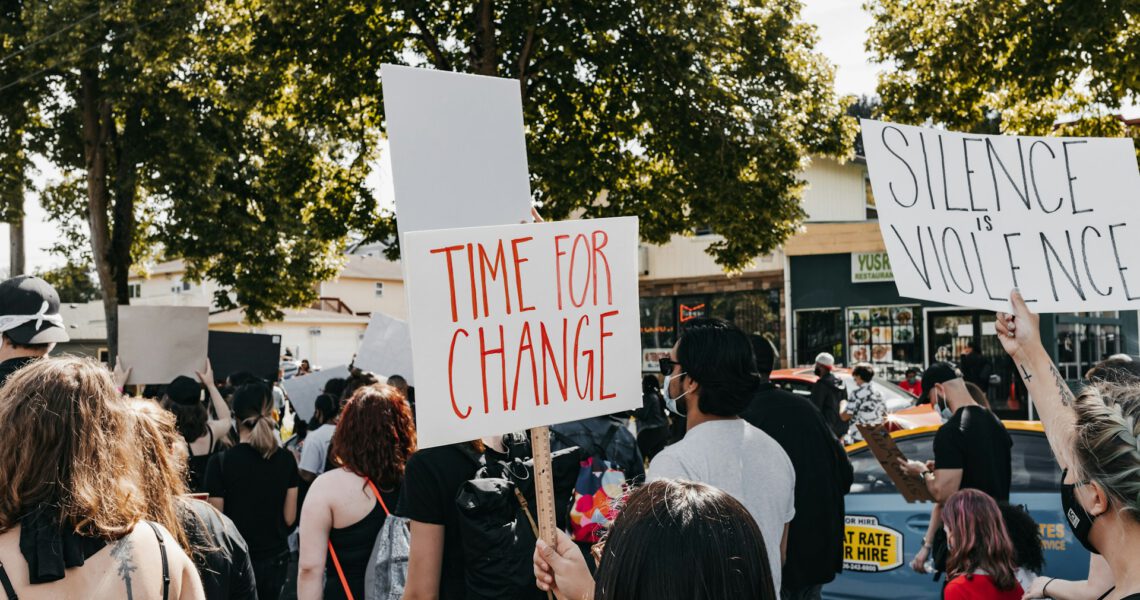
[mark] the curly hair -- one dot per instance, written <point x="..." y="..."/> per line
<point x="68" y="445"/>
<point x="375" y="435"/>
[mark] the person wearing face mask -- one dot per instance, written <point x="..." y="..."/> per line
<point x="827" y="393"/>
<point x="911" y="383"/>
<point x="711" y="377"/>
<point x="971" y="451"/>
<point x="1095" y="439"/>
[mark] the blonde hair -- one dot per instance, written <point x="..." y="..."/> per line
<point x="68" y="445"/>
<point x="163" y="472"/>
<point x="1107" y="441"/>
<point x="252" y="405"/>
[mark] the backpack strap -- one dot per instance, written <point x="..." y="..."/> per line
<point x="340" y="573"/>
<point x="376" y="491"/>
<point x="165" y="560"/>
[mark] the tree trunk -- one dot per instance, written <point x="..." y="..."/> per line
<point x="96" y="129"/>
<point x="16" y="264"/>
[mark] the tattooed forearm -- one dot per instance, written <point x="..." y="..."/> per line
<point x="1025" y="374"/>
<point x="1063" y="391"/>
<point x="123" y="552"/>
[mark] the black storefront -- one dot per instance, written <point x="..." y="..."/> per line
<point x="870" y="322"/>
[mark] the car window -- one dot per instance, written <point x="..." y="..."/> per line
<point x="869" y="475"/>
<point x="1034" y="468"/>
<point x="794" y="386"/>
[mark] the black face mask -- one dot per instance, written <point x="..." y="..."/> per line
<point x="1079" y="519"/>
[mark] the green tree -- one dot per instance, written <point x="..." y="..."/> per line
<point x="73" y="282"/>
<point x="685" y="114"/>
<point x="178" y="136"/>
<point x="1016" y="66"/>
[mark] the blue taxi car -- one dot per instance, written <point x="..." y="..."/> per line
<point x="884" y="532"/>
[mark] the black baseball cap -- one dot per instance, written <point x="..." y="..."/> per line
<point x="27" y="296"/>
<point x="184" y="390"/>
<point x="939" y="372"/>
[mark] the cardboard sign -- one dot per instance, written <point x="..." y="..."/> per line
<point x="303" y="391"/>
<point x="458" y="149"/>
<point x="869" y="547"/>
<point x="386" y="348"/>
<point x="521" y="326"/>
<point x="232" y="352"/>
<point x="159" y="343"/>
<point x="968" y="217"/>
<point x="883" y="446"/>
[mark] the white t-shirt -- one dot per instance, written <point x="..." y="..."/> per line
<point x="316" y="449"/>
<point x="746" y="463"/>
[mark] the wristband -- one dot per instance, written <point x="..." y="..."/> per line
<point x="1045" y="588"/>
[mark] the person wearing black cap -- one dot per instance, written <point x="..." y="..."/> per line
<point x="183" y="397"/>
<point x="971" y="450"/>
<point x="30" y="323"/>
<point x="823" y="476"/>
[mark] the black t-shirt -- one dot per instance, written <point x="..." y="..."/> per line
<point x="826" y="394"/>
<point x="975" y="441"/>
<point x="254" y="492"/>
<point x="225" y="568"/>
<point x="431" y="481"/>
<point x="823" y="475"/>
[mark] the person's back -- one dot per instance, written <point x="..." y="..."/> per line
<point x="826" y="394"/>
<point x="975" y="441"/>
<point x="131" y="567"/>
<point x="590" y="434"/>
<point x="823" y="476"/>
<point x="745" y="462"/>
<point x="356" y="519"/>
<point x="225" y="568"/>
<point x="978" y="587"/>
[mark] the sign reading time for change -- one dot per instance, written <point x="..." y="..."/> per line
<point x="519" y="326"/>
<point x="968" y="217"/>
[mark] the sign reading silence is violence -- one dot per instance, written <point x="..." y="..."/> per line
<point x="968" y="217"/>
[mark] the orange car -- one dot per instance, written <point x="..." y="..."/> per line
<point x="904" y="414"/>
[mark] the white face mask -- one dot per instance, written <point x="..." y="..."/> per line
<point x="670" y="401"/>
<point x="943" y="406"/>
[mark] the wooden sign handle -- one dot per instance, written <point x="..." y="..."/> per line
<point x="543" y="484"/>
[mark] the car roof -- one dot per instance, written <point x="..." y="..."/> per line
<point x="1030" y="426"/>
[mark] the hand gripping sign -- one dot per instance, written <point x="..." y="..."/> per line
<point x="967" y="217"/>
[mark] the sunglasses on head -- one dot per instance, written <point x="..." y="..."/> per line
<point x="667" y="365"/>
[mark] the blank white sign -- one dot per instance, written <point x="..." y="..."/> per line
<point x="159" y="343"/>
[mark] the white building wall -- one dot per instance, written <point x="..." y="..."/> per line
<point x="834" y="192"/>
<point x="360" y="295"/>
<point x="686" y="257"/>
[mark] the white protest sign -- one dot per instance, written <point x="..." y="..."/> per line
<point x="458" y="149"/>
<point x="386" y="348"/>
<point x="303" y="391"/>
<point x="521" y="326"/>
<point x="967" y="217"/>
<point x="159" y="343"/>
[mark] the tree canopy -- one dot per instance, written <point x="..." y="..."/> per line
<point x="73" y="282"/>
<point x="1016" y="66"/>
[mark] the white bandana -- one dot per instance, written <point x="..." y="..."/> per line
<point x="9" y="322"/>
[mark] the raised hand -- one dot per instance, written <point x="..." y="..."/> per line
<point x="1020" y="330"/>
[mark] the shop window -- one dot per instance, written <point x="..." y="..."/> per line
<point x="1080" y="346"/>
<point x="869" y="199"/>
<point x="658" y="323"/>
<point x="886" y="336"/>
<point x="818" y="331"/>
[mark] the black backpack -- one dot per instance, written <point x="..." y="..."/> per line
<point x="497" y="519"/>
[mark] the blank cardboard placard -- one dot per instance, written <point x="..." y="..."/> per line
<point x="232" y="352"/>
<point x="159" y="343"/>
<point x="968" y="217"/>
<point x="387" y="348"/>
<point x="520" y="326"/>
<point x="303" y="391"/>
<point x="882" y="445"/>
<point x="458" y="149"/>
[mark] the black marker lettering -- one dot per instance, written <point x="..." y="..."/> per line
<point x="945" y="184"/>
<point x="1022" y="194"/>
<point x="934" y="249"/>
<point x="891" y="184"/>
<point x="1085" y="254"/>
<point x="923" y="274"/>
<point x="982" y="269"/>
<point x="1033" y="176"/>
<point x="1073" y="276"/>
<point x="1119" y="267"/>
<point x="965" y="265"/>
<point x="1069" y="174"/>
<point x="1013" y="267"/>
<point x="926" y="166"/>
<point x="969" y="171"/>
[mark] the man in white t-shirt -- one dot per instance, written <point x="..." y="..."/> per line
<point x="710" y="378"/>
<point x="315" y="453"/>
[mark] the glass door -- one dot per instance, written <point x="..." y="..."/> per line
<point x="950" y="333"/>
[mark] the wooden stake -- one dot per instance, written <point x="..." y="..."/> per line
<point x="543" y="484"/>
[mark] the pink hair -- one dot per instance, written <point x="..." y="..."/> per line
<point x="981" y="541"/>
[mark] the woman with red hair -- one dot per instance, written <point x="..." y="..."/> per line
<point x="981" y="564"/>
<point x="347" y="506"/>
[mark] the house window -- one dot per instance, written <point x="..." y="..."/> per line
<point x="186" y="286"/>
<point x="134" y="290"/>
<point x="379" y="289"/>
<point x="869" y="199"/>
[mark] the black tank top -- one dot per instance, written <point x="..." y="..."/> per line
<point x="196" y="467"/>
<point x="353" y="545"/>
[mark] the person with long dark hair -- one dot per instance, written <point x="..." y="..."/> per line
<point x="981" y="564"/>
<point x="255" y="484"/>
<point x="672" y="540"/>
<point x="202" y="434"/>
<point x="347" y="506"/>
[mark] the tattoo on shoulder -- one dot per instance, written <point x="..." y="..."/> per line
<point x="123" y="553"/>
<point x="1063" y="391"/>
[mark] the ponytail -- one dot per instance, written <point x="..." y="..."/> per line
<point x="261" y="435"/>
